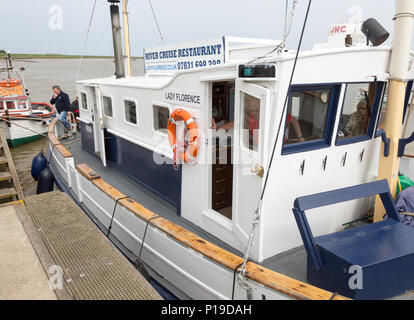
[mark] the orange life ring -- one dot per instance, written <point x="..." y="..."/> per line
<point x="191" y="149"/>
<point x="9" y="83"/>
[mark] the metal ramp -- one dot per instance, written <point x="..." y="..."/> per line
<point x="92" y="266"/>
<point x="374" y="261"/>
<point x="10" y="188"/>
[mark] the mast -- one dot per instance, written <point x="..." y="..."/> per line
<point x="401" y="44"/>
<point x="126" y="36"/>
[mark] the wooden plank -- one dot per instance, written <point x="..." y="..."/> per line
<point x="3" y="160"/>
<point x="55" y="141"/>
<point x="10" y="164"/>
<point x="51" y="133"/>
<point x="5" y="176"/>
<point x="7" y="193"/>
<point x="108" y="189"/>
<point x="87" y="172"/>
<point x="267" y="277"/>
<point x="63" y="151"/>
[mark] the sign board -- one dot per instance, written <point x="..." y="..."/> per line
<point x="182" y="97"/>
<point x="185" y="56"/>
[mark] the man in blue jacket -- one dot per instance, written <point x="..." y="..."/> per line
<point x="62" y="103"/>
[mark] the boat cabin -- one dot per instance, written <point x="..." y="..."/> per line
<point x="14" y="104"/>
<point x="325" y="137"/>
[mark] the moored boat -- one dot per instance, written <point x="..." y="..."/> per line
<point x="194" y="168"/>
<point x="22" y="120"/>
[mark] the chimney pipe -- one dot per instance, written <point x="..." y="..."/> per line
<point x="117" y="38"/>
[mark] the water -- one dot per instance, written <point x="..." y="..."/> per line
<point x="39" y="77"/>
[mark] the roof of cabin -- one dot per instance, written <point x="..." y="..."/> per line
<point x="160" y="81"/>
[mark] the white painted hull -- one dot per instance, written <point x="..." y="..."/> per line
<point x="22" y="131"/>
<point x="184" y="271"/>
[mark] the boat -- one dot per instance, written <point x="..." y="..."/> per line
<point x="201" y="170"/>
<point x="22" y="120"/>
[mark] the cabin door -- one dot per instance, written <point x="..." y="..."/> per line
<point x="98" y="126"/>
<point x="251" y="103"/>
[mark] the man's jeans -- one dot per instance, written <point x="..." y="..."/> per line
<point x="63" y="119"/>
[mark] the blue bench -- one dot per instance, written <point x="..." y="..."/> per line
<point x="374" y="261"/>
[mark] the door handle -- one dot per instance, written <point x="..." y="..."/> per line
<point x="258" y="169"/>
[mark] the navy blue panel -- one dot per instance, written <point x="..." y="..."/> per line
<point x="374" y="251"/>
<point x="87" y="137"/>
<point x="336" y="196"/>
<point x="342" y="195"/>
<point x="383" y="253"/>
<point x="138" y="163"/>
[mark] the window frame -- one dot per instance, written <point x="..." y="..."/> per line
<point x="247" y="149"/>
<point x="86" y="99"/>
<point x="161" y="105"/>
<point x="326" y="141"/>
<point x="103" y="106"/>
<point x="378" y="118"/>
<point x="14" y="105"/>
<point x="136" y="111"/>
<point x="373" y="121"/>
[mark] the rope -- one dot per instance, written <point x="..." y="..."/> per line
<point x="257" y="212"/>
<point x="286" y="31"/>
<point x="113" y="215"/>
<point x="333" y="295"/>
<point x="234" y="279"/>
<point x="86" y="40"/>
<point x="286" y="99"/>
<point x="156" y="22"/>
<point x="23" y="118"/>
<point x="148" y="20"/>
<point x="51" y="154"/>
<point x="138" y="261"/>
<point x="18" y="125"/>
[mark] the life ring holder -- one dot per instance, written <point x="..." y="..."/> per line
<point x="191" y="148"/>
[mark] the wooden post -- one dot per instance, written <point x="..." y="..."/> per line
<point x="126" y="37"/>
<point x="389" y="166"/>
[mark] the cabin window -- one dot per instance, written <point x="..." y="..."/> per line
<point x="358" y="112"/>
<point x="310" y="117"/>
<point x="21" y="104"/>
<point x="250" y="121"/>
<point x="10" y="105"/>
<point x="84" y="102"/>
<point x="107" y="104"/>
<point x="130" y="111"/>
<point x="161" y="115"/>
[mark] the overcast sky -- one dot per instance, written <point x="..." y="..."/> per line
<point x="59" y="26"/>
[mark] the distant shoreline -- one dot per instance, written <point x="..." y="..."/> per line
<point x="57" y="56"/>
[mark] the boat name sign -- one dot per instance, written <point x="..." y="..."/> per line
<point x="185" y="56"/>
<point x="180" y="97"/>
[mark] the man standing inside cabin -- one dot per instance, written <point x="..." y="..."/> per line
<point x="61" y="100"/>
